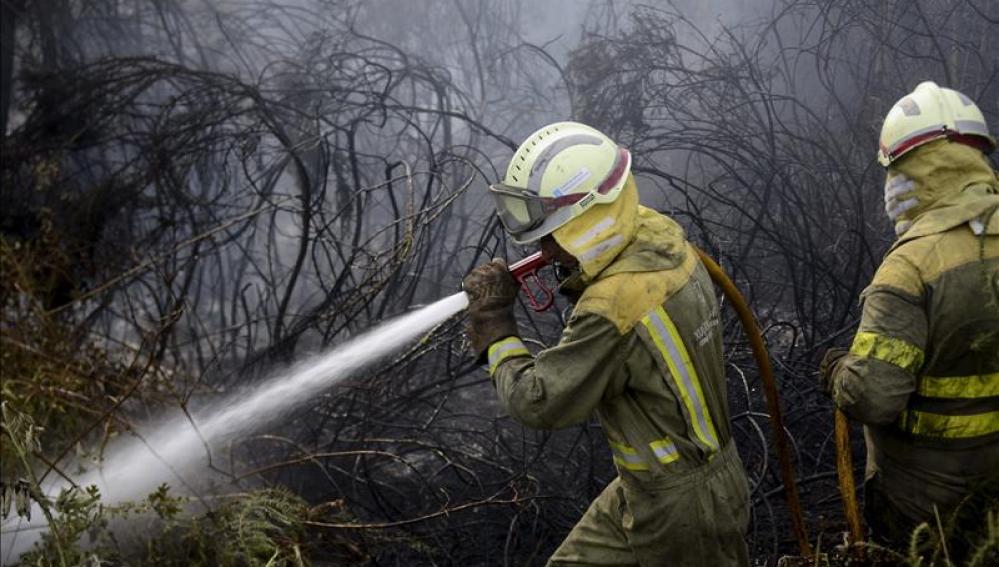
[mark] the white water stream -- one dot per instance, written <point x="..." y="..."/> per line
<point x="175" y="452"/>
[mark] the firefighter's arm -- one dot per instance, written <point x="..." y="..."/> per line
<point x="872" y="383"/>
<point x="563" y="384"/>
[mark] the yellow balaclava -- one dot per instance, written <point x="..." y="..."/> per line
<point x="622" y="236"/>
<point x="598" y="235"/>
<point x="931" y="176"/>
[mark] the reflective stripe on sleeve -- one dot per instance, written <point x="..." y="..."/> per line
<point x="905" y="355"/>
<point x="627" y="457"/>
<point x="974" y="386"/>
<point x="671" y="347"/>
<point x="504" y="349"/>
<point x="950" y="426"/>
<point x="664" y="450"/>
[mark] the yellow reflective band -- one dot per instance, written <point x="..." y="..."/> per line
<point x="504" y="349"/>
<point x="950" y="426"/>
<point x="627" y="457"/>
<point x="664" y="450"/>
<point x="667" y="339"/>
<point x="905" y="355"/>
<point x="974" y="386"/>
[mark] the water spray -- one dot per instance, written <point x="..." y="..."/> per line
<point x="177" y="449"/>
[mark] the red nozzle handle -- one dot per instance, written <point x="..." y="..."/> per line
<point x="525" y="272"/>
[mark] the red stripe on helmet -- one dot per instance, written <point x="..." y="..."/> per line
<point x="916" y="141"/>
<point x="978" y="142"/>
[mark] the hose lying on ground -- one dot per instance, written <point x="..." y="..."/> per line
<point x="773" y="402"/>
<point x="844" y="472"/>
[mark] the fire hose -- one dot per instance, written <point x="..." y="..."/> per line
<point x="762" y="357"/>
<point x="844" y="459"/>
<point x="844" y="472"/>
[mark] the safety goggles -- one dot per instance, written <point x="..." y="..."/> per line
<point x="521" y="209"/>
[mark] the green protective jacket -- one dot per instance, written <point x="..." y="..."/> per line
<point x="643" y="351"/>
<point x="923" y="371"/>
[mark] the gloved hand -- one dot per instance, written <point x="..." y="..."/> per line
<point x="828" y="366"/>
<point x="491" y="293"/>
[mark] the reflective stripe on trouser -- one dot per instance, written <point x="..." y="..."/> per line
<point x="627" y="457"/>
<point x="504" y="349"/>
<point x="670" y="346"/>
<point x="952" y="397"/>
<point x="903" y="354"/>
<point x="664" y="450"/>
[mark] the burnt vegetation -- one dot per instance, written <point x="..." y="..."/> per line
<point x="195" y="194"/>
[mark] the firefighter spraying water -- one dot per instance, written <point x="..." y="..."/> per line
<point x="174" y="452"/>
<point x="642" y="351"/>
<point x="177" y="451"/>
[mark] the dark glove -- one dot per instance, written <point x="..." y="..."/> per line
<point x="491" y="293"/>
<point x="827" y="368"/>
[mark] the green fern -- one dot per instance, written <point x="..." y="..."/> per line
<point x="266" y="525"/>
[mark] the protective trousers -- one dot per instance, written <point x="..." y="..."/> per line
<point x="696" y="520"/>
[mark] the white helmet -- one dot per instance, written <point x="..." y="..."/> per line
<point x="559" y="172"/>
<point x="929" y="113"/>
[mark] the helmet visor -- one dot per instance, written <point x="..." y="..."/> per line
<point x="521" y="210"/>
<point x="518" y="209"/>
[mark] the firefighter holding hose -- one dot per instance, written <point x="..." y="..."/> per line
<point x="922" y="373"/>
<point x="642" y="351"/>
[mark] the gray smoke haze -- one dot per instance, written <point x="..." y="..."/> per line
<point x="207" y="191"/>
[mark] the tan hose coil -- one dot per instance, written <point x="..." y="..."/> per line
<point x="773" y="402"/>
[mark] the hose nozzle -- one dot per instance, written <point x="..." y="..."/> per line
<point x="526" y="273"/>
